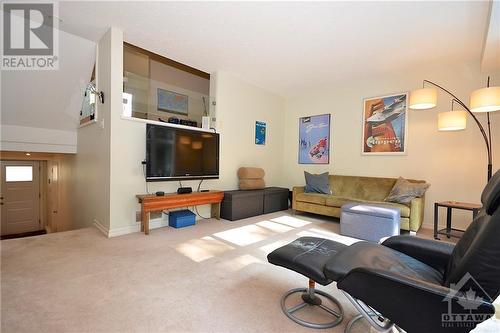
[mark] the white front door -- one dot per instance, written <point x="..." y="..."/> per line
<point x="20" y="197"/>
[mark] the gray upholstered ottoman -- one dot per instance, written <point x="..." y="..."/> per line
<point x="369" y="222"/>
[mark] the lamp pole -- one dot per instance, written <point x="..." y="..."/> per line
<point x="486" y="137"/>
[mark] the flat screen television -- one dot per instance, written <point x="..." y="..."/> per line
<point x="177" y="154"/>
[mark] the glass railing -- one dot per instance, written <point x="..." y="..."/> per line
<point x="145" y="98"/>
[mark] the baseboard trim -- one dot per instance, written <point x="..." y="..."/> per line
<point x="153" y="224"/>
<point x="101" y="228"/>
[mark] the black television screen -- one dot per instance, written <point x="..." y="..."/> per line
<point x="176" y="153"/>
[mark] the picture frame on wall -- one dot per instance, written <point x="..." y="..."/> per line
<point x="314" y="139"/>
<point x="88" y="111"/>
<point x="385" y="125"/>
<point x="173" y="102"/>
<point x="260" y="133"/>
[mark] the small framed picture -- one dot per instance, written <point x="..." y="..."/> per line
<point x="260" y="133"/>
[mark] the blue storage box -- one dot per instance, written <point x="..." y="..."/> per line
<point x="181" y="218"/>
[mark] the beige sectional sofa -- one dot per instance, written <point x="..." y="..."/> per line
<point x="347" y="189"/>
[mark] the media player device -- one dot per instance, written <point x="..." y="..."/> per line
<point x="184" y="190"/>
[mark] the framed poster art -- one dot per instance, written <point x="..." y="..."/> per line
<point x="314" y="139"/>
<point x="385" y="125"/>
<point x="88" y="111"/>
<point x="260" y="133"/>
<point x="171" y="101"/>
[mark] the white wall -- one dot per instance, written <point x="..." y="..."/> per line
<point x="92" y="176"/>
<point x="35" y="139"/>
<point x="239" y="105"/>
<point x="454" y="163"/>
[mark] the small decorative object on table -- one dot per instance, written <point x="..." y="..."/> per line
<point x="449" y="231"/>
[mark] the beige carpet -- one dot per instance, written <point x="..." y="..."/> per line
<point x="213" y="277"/>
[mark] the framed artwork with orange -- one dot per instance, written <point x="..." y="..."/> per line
<point x="385" y="125"/>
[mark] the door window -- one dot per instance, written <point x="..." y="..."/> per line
<point x="18" y="173"/>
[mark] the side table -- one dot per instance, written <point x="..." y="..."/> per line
<point x="450" y="205"/>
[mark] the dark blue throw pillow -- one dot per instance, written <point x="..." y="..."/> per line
<point x="317" y="183"/>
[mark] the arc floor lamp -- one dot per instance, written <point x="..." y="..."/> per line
<point x="481" y="100"/>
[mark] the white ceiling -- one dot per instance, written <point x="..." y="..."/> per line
<point x="289" y="46"/>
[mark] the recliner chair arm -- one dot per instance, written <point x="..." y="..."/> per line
<point x="433" y="253"/>
<point x="427" y="302"/>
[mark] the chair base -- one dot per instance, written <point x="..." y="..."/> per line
<point x="375" y="319"/>
<point x="311" y="297"/>
<point x="353" y="321"/>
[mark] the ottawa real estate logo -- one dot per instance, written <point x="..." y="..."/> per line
<point x="466" y="302"/>
<point x="30" y="38"/>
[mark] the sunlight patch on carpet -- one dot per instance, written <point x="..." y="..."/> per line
<point x="245" y="235"/>
<point x="291" y="221"/>
<point x="268" y="248"/>
<point x="202" y="249"/>
<point x="273" y="226"/>
<point x="242" y="261"/>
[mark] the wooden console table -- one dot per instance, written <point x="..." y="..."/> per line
<point x="152" y="203"/>
<point x="449" y="205"/>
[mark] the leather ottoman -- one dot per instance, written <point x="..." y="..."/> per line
<point x="309" y="256"/>
<point x="369" y="222"/>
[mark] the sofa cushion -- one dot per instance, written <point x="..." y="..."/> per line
<point x="337" y="201"/>
<point x="405" y="210"/>
<point x="251" y="173"/>
<point x="252" y="184"/>
<point x="317" y="183"/>
<point x="404" y="191"/>
<point x="315" y="198"/>
<point x="365" y="188"/>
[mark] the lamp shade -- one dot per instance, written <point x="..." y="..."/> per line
<point x="485" y="100"/>
<point x="452" y="120"/>
<point x="425" y="98"/>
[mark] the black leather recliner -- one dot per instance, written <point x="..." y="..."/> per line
<point x="420" y="285"/>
